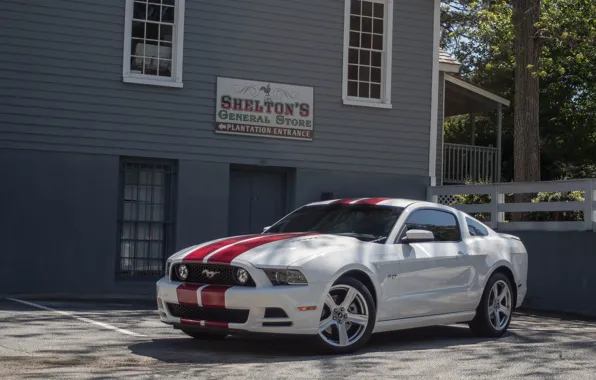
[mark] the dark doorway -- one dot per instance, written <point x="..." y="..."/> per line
<point x="257" y="199"/>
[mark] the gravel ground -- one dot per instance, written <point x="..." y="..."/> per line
<point x="42" y="344"/>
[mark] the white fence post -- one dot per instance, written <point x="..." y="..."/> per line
<point x="431" y="196"/>
<point x="588" y="196"/>
<point x="500" y="201"/>
<point x="494" y="207"/>
<point x="589" y="210"/>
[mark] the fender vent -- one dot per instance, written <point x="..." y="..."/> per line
<point x="277" y="324"/>
<point x="275" y="312"/>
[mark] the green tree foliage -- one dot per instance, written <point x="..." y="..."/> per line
<point x="480" y="34"/>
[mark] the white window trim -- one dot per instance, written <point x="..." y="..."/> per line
<point x="434" y="103"/>
<point x="177" y="54"/>
<point x="385" y="101"/>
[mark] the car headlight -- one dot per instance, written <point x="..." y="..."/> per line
<point x="285" y="277"/>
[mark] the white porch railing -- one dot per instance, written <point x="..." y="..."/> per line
<point x="490" y="201"/>
<point x="467" y="162"/>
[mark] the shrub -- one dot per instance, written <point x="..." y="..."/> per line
<point x="568" y="196"/>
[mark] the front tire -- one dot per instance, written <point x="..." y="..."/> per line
<point x="493" y="315"/>
<point x="204" y="335"/>
<point x="348" y="317"/>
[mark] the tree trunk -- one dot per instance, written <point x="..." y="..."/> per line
<point x="526" y="13"/>
<point x="527" y="91"/>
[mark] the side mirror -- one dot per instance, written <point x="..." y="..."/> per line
<point x="418" y="236"/>
<point x="266" y="228"/>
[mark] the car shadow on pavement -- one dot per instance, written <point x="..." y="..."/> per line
<point x="259" y="349"/>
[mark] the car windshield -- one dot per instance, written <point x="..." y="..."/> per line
<point x="364" y="222"/>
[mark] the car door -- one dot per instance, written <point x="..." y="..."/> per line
<point x="433" y="277"/>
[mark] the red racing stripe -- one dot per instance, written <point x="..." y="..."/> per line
<point x="189" y="321"/>
<point x="226" y="256"/>
<point x="187" y="294"/>
<point x="200" y="253"/>
<point x="214" y="296"/>
<point x="223" y="325"/>
<point x="371" y="201"/>
<point x="342" y="202"/>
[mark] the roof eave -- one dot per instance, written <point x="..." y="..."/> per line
<point x="449" y="67"/>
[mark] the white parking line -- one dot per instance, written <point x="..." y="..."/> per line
<point x="101" y="324"/>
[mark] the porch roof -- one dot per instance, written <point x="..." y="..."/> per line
<point x="462" y="98"/>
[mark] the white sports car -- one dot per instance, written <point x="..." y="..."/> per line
<point x="341" y="270"/>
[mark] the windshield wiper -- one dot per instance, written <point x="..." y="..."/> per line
<point x="373" y="238"/>
<point x="378" y="239"/>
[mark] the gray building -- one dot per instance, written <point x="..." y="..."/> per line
<point x="131" y="129"/>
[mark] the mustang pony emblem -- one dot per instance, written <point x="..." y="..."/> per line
<point x="209" y="273"/>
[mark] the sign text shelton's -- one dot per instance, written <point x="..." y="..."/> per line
<point x="253" y="108"/>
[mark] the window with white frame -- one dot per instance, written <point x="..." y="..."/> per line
<point x="154" y="34"/>
<point x="368" y="31"/>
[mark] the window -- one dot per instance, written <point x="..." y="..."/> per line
<point x="441" y="223"/>
<point x="146" y="224"/>
<point x="368" y="28"/>
<point x="475" y="228"/>
<point x="154" y="34"/>
<point x="368" y="223"/>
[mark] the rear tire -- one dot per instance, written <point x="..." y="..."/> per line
<point x="346" y="324"/>
<point x="205" y="335"/>
<point x="494" y="312"/>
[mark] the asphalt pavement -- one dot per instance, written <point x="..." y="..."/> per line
<point x="78" y="340"/>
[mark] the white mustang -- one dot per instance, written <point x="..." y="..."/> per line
<point x="344" y="269"/>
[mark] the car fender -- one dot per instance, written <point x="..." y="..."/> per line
<point x="329" y="271"/>
<point x="361" y="268"/>
<point x="497" y="265"/>
<point x="477" y="294"/>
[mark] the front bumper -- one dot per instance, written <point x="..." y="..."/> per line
<point x="254" y="299"/>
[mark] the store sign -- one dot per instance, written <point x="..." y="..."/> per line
<point x="264" y="109"/>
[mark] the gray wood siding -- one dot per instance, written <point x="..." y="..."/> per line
<point x="440" y="128"/>
<point x="61" y="84"/>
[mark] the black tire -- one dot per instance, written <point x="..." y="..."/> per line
<point x="205" y="335"/>
<point x="328" y="348"/>
<point x="481" y="325"/>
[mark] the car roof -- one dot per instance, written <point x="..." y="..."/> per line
<point x="395" y="202"/>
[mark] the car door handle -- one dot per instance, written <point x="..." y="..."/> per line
<point x="460" y="253"/>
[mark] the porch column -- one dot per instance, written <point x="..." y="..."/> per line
<point x="499" y="133"/>
<point x="473" y="132"/>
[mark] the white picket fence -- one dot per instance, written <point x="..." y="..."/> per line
<point x="498" y="207"/>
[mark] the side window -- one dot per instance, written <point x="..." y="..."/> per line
<point x="153" y="42"/>
<point x="441" y="223"/>
<point x="475" y="228"/>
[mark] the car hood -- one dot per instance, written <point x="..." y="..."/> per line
<point x="266" y="250"/>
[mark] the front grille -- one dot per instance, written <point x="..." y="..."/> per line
<point x="222" y="274"/>
<point x="210" y="314"/>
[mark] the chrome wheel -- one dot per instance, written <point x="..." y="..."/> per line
<point x="499" y="305"/>
<point x="345" y="316"/>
